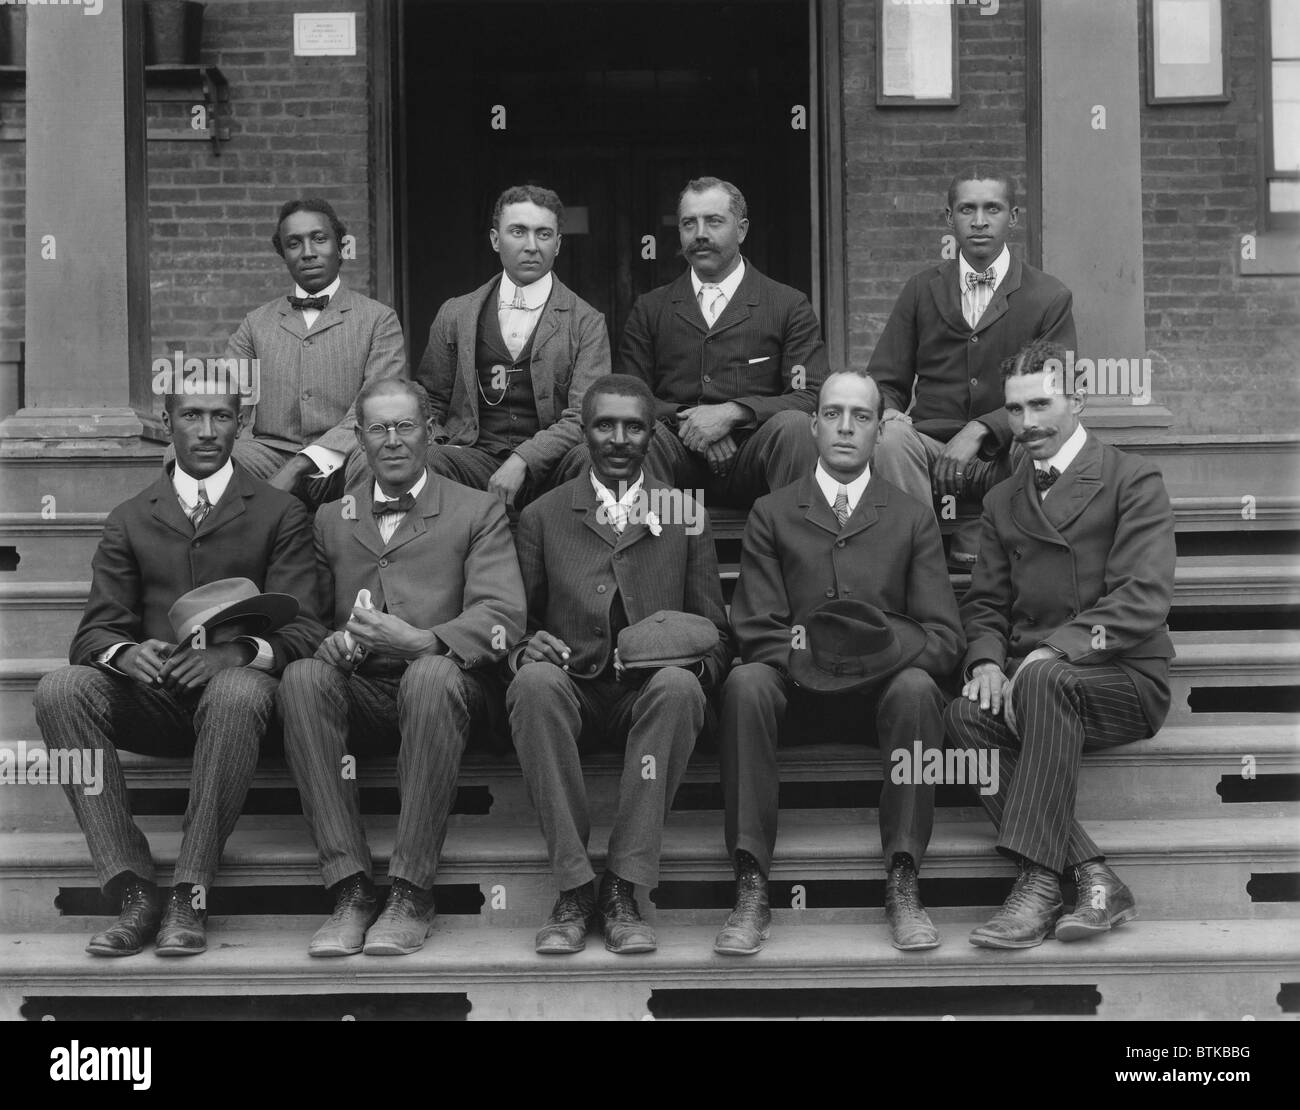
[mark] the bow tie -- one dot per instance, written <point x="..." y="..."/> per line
<point x="988" y="277"/>
<point x="403" y="504"/>
<point x="318" y="303"/>
<point x="1045" y="479"/>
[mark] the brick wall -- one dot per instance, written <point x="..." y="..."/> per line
<point x="1224" y="348"/>
<point x="299" y="126"/>
<point x="898" y="161"/>
<point x="13" y="229"/>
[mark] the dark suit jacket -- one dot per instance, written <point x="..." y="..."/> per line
<point x="309" y="380"/>
<point x="956" y="370"/>
<point x="795" y="557"/>
<point x="570" y="351"/>
<point x="150" y="554"/>
<point x="573" y="564"/>
<point x="749" y="356"/>
<point x="1089" y="571"/>
<point x="450" y="568"/>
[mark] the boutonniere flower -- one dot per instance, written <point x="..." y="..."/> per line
<point x="652" y="522"/>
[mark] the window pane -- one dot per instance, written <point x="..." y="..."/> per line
<point x="1286" y="28"/>
<point x="1286" y="115"/>
<point x="1284" y="196"/>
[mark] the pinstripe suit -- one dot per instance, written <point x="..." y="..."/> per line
<point x="574" y="567"/>
<point x="749" y="356"/>
<point x="1088" y="571"/>
<point x="570" y="350"/>
<point x="450" y="567"/>
<point x="310" y="379"/>
<point x="151" y="554"/>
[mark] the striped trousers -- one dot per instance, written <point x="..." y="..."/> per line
<point x="1061" y="710"/>
<point x="83" y="707"/>
<point x="425" y="715"/>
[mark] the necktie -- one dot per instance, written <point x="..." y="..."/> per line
<point x="201" y="507"/>
<point x="1045" y="479"/>
<point x="712" y="301"/>
<point x="841" y="506"/>
<point x="403" y="504"/>
<point x="317" y="303"/>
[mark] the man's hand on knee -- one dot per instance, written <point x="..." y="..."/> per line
<point x="334" y="650"/>
<point x="192" y="670"/>
<point x="989" y="687"/>
<point x="143" y="662"/>
<point x="957" y="456"/>
<point x="545" y="648"/>
<point x="699" y="427"/>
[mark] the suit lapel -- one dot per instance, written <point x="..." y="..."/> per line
<point x="998" y="305"/>
<point x="864" y="516"/>
<point x="1027" y="508"/>
<point x="815" y="509"/>
<point x="166" y="507"/>
<point x="685" y="306"/>
<point x="943" y="288"/>
<point x="585" y="502"/>
<point x="332" y="314"/>
<point x="231" y="506"/>
<point x="291" y="320"/>
<point x="414" y="524"/>
<point x="1076" y="488"/>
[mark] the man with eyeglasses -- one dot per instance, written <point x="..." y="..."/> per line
<point x="426" y="598"/>
<point x="507" y="365"/>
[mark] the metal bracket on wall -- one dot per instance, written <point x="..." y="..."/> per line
<point x="186" y="84"/>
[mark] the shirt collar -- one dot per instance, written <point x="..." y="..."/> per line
<point x="535" y="294"/>
<point x="1000" y="266"/>
<point x="728" y="285"/>
<point x="1067" y="454"/>
<point x="830" y="485"/>
<point x="214" y="485"/>
<point x="380" y="495"/>
<point x="329" y="291"/>
<point x="606" y="495"/>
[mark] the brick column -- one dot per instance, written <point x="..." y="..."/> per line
<point x="87" y="325"/>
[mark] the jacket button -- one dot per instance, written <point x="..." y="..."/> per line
<point x="839" y="543"/>
<point x="1015" y="554"/>
<point x="707" y="379"/>
<point x="974" y="338"/>
<point x="598" y="631"/>
<point x="195" y="544"/>
<point x="599" y="589"/>
<point x="594" y="668"/>
<point x="974" y="381"/>
<point x="306" y="342"/>
<point x="1031" y="620"/>
<point x="830" y="593"/>
<point x="618" y="554"/>
<point x="1071" y="614"/>
<point x="383" y="562"/>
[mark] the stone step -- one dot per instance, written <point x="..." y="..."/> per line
<point x="1222" y="969"/>
<point x="1187" y="771"/>
<point x="1176" y="867"/>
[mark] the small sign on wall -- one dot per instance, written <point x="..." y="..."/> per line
<point x="316" y="34"/>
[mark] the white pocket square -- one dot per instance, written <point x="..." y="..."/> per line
<point x="763" y="358"/>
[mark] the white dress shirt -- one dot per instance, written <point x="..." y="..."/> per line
<point x="388" y="522"/>
<point x="326" y="461"/>
<point x="727" y="287"/>
<point x="1064" y="457"/>
<point x="517" y="324"/>
<point x="975" y="299"/>
<point x="617" y="509"/>
<point x="830" y="486"/>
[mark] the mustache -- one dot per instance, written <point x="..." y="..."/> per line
<point x="1025" y="437"/>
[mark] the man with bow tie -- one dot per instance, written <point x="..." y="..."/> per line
<point x="733" y="358"/>
<point x="1068" y="649"/>
<point x="938" y="360"/>
<point x="316" y="348"/>
<point x="413" y="672"/>
<point x="507" y="365"/>
<point x="138" y="684"/>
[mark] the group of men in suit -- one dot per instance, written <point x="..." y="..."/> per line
<point x="421" y="625"/>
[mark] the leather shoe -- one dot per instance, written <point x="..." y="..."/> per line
<point x="571" y="917"/>
<point x="1102" y="903"/>
<point x="909" y="924"/>
<point x="181" y="932"/>
<point x="405" y="923"/>
<point x="136" y="924"/>
<point x="750" y="923"/>
<point x="626" y="931"/>
<point x="356" y="905"/>
<point x="1028" y="914"/>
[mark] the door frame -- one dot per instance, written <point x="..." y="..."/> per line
<point x="388" y="198"/>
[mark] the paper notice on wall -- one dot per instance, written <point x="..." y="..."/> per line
<point x="317" y="34"/>
<point x="917" y="46"/>
<point x="1183" y="32"/>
